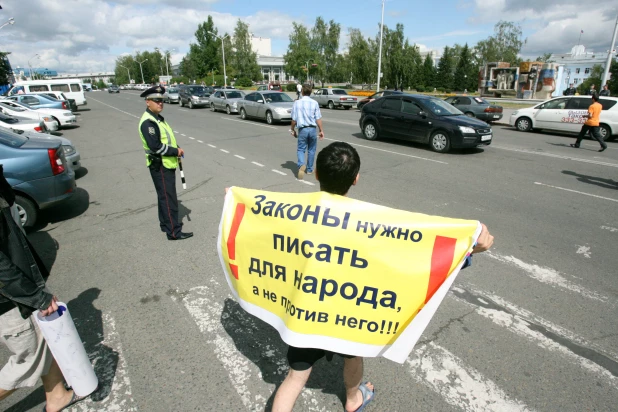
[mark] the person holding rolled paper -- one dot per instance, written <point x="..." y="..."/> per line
<point x="23" y="292"/>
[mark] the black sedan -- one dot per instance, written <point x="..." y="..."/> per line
<point x="476" y="107"/>
<point x="423" y="119"/>
<point x="374" y="96"/>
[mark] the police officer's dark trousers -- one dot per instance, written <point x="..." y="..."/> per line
<point x="165" y="183"/>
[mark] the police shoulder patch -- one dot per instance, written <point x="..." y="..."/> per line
<point x="151" y="130"/>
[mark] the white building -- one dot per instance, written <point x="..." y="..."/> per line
<point x="261" y="45"/>
<point x="435" y="56"/>
<point x="272" y="67"/>
<point x="576" y="66"/>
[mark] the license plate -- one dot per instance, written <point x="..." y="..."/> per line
<point x="496" y="116"/>
<point x="485" y="138"/>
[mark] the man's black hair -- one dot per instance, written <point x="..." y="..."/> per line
<point x="337" y="166"/>
<point x="595" y="96"/>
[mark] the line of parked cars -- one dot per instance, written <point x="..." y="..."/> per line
<point x="39" y="165"/>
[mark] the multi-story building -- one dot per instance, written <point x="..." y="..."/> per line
<point x="576" y="66"/>
<point x="272" y="67"/>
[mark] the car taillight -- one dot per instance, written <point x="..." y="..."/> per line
<point x="38" y="129"/>
<point x="55" y="161"/>
<point x="64" y="105"/>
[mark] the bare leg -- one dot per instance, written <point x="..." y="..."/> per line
<point x="289" y="390"/>
<point x="352" y="376"/>
<point x="55" y="393"/>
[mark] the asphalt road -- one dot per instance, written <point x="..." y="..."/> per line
<point x="531" y="326"/>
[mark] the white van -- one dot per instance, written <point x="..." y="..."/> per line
<point x="72" y="88"/>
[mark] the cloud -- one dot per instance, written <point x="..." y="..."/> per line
<point x="456" y="33"/>
<point x="96" y="32"/>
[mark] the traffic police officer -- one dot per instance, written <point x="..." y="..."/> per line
<point x="162" y="155"/>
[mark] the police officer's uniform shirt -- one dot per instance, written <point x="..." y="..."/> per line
<point x="152" y="134"/>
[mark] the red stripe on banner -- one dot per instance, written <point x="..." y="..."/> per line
<point x="239" y="213"/>
<point x="441" y="262"/>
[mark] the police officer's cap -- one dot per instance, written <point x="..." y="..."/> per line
<point x="155" y="92"/>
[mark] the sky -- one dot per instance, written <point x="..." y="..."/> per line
<point x="86" y="36"/>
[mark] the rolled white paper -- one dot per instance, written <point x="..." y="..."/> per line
<point x="65" y="344"/>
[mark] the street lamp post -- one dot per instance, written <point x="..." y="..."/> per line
<point x="141" y="70"/>
<point x="167" y="71"/>
<point x="10" y="21"/>
<point x="213" y="75"/>
<point x="128" y="72"/>
<point x="608" y="63"/>
<point x="30" y="66"/>
<point x="223" y="51"/>
<point x="380" y="55"/>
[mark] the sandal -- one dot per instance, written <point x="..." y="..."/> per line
<point x="365" y="391"/>
<point x="73" y="401"/>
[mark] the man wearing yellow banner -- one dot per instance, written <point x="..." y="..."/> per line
<point x="340" y="276"/>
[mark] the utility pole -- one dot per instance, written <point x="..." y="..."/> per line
<point x="608" y="63"/>
<point x="141" y="70"/>
<point x="380" y="56"/>
<point x="223" y="51"/>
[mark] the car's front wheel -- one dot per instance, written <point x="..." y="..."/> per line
<point x="182" y="103"/>
<point x="228" y="110"/>
<point x="212" y="107"/>
<point x="269" y="118"/>
<point x="440" y="142"/>
<point x="331" y="105"/>
<point x="523" y="124"/>
<point x="190" y="104"/>
<point x="370" y="131"/>
<point x="27" y="211"/>
<point x="243" y="114"/>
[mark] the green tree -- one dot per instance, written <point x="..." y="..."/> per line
<point x="188" y="68"/>
<point x="299" y="52"/>
<point x="612" y="84"/>
<point x="362" y="61"/>
<point x="325" y="42"/>
<point x="503" y="46"/>
<point x="429" y="72"/>
<point x="465" y="77"/>
<point x="546" y="57"/>
<point x="244" y="59"/>
<point x="393" y="56"/>
<point x="595" y="78"/>
<point x="413" y="63"/>
<point x="6" y="73"/>
<point x="444" y="77"/>
<point x="121" y="74"/>
<point x="205" y="53"/>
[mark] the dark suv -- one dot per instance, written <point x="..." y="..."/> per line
<point x="423" y="119"/>
<point x="193" y="96"/>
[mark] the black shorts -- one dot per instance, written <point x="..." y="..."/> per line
<point x="301" y="359"/>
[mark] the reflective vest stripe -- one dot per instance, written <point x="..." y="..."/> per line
<point x="167" y="139"/>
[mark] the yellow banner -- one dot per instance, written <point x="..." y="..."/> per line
<point x="340" y="274"/>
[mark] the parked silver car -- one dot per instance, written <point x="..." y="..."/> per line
<point x="171" y="95"/>
<point x="271" y="106"/>
<point x="226" y="100"/>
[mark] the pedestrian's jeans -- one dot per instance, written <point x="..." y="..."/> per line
<point x="307" y="141"/>
<point x="595" y="131"/>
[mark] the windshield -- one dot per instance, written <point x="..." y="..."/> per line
<point x="12" y="138"/>
<point x="7" y="119"/>
<point x="277" y="98"/>
<point x="172" y="90"/>
<point x="337" y="91"/>
<point x="441" y="108"/>
<point x="16" y="109"/>
<point x="197" y="90"/>
<point x="233" y="95"/>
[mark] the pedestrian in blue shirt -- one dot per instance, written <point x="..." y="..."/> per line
<point x="307" y="117"/>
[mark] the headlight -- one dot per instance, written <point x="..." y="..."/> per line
<point x="281" y="111"/>
<point x="468" y="130"/>
<point x="514" y="113"/>
<point x="195" y="98"/>
<point x="68" y="150"/>
<point x="234" y="105"/>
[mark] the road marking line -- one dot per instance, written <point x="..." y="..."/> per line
<point x="240" y="157"/>
<point x="115" y="108"/>
<point x="212" y="145"/>
<point x="110" y="366"/>
<point x="279" y="171"/>
<point x="460" y="385"/>
<point x="176" y="131"/>
<point x="390" y="151"/>
<point x="611" y="229"/>
<point x="576" y="191"/>
<point x="307" y="183"/>
<point x="543" y="333"/>
<point x="200" y="141"/>
<point x="258" y="164"/>
<point x="192" y="138"/>
<point x="214" y="319"/>
<point x="583" y="250"/>
<point x="249" y="123"/>
<point x="577" y="159"/>
<point x="182" y="134"/>
<point x="224" y="151"/>
<point x="547" y="275"/>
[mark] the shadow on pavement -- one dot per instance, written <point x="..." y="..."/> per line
<point x="414" y="145"/>
<point x="593" y="180"/>
<point x="83" y="109"/>
<point x="45" y="246"/>
<point x="81" y="172"/>
<point x="261" y="344"/>
<point x="183" y="211"/>
<point x="73" y="207"/>
<point x="71" y="126"/>
<point x="291" y="166"/>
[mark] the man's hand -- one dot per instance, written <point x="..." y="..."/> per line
<point x="51" y="309"/>
<point x="180" y="152"/>
<point x="484" y="241"/>
<point x="321" y="135"/>
<point x="293" y="132"/>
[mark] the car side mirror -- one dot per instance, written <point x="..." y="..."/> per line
<point x="422" y="114"/>
<point x="260" y="101"/>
